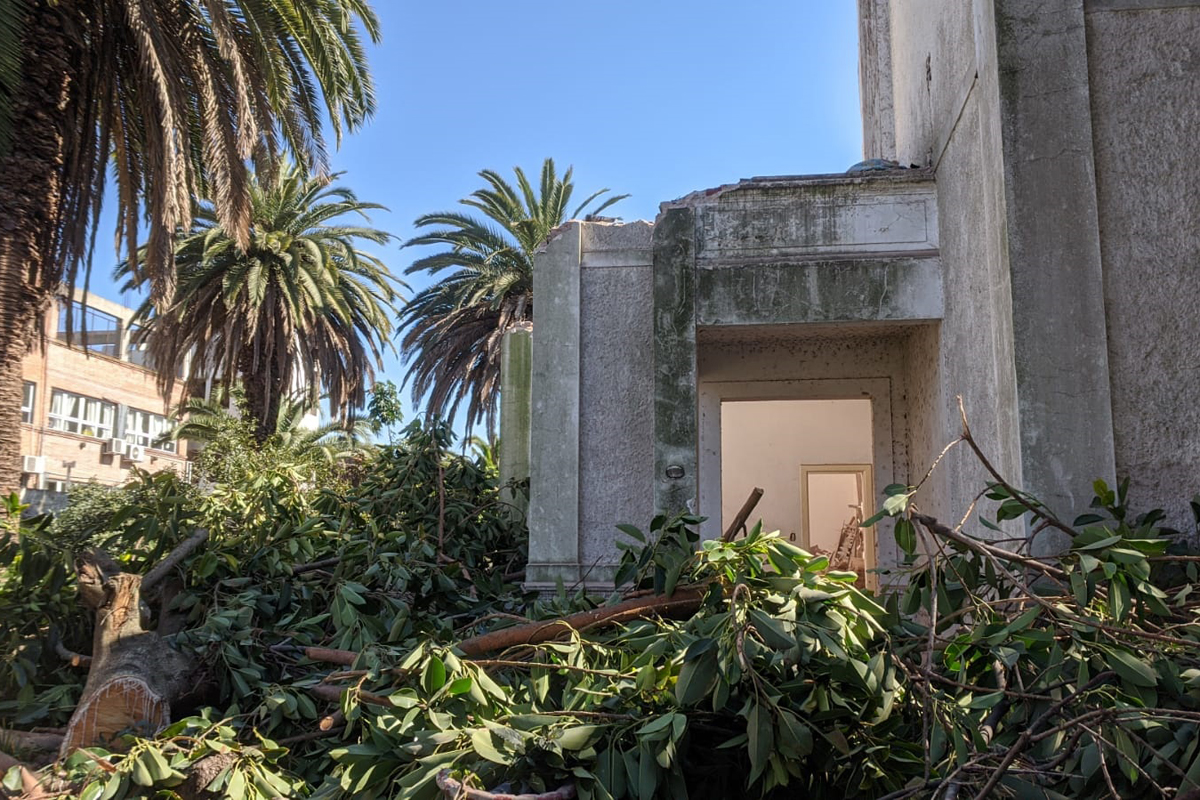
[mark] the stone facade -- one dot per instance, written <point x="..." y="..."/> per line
<point x="1034" y="254"/>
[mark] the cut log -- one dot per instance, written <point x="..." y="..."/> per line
<point x="134" y="673"/>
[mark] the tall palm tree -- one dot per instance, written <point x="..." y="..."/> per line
<point x="177" y="95"/>
<point x="299" y="306"/>
<point x="452" y="329"/>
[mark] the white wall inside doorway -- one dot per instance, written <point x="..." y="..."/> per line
<point x="764" y="443"/>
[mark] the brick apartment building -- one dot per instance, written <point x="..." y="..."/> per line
<point x="91" y="410"/>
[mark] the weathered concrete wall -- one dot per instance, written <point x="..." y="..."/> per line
<point x="993" y="94"/>
<point x="1144" y="70"/>
<point x="1060" y="341"/>
<point x="593" y="425"/>
<point x="875" y="79"/>
<point x="554" y="422"/>
<point x="516" y="404"/>
<point x="616" y="434"/>
<point x="943" y="114"/>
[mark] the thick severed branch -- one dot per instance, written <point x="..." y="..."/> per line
<point x="173" y="559"/>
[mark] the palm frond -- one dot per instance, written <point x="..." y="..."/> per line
<point x="451" y="331"/>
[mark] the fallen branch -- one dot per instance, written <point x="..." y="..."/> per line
<point x="333" y="694"/>
<point x="739" y="522"/>
<point x="313" y="566"/>
<point x="181" y="551"/>
<point x="70" y="656"/>
<point x="684" y="603"/>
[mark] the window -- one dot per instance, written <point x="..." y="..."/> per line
<point x="98" y="331"/>
<point x="27" y="398"/>
<point x="75" y="413"/>
<point x="135" y="351"/>
<point x="144" y="428"/>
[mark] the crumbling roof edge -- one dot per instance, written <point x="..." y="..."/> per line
<point x="898" y="175"/>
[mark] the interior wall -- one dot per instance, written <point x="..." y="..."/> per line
<point x="765" y="442"/>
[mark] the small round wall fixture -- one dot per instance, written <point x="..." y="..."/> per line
<point x="675" y="472"/>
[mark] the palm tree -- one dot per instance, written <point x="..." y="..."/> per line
<point x="177" y="95"/>
<point x="300" y="305"/>
<point x="453" y="328"/>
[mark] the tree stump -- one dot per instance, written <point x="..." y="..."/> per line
<point x="134" y="674"/>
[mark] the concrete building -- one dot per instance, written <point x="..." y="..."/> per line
<point x="91" y="410"/>
<point x="1032" y="249"/>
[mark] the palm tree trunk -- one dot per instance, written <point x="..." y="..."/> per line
<point x="30" y="193"/>
<point x="263" y="396"/>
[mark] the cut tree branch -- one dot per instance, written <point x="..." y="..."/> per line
<point x="739" y="522"/>
<point x="173" y="559"/>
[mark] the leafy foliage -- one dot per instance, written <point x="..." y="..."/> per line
<point x="991" y="672"/>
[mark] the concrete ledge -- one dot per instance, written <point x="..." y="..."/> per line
<point x="821" y="291"/>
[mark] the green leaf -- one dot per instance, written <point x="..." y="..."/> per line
<point x="771" y="630"/>
<point x="760" y="740"/>
<point x="460" y="686"/>
<point x="906" y="536"/>
<point x="1118" y="598"/>
<point x="481" y="742"/>
<point x="434" y="675"/>
<point x="696" y="678"/>
<point x="986" y="700"/>
<point x="794" y="736"/>
<point x="632" y="532"/>
<point x="1079" y="588"/>
<point x="1131" y="669"/>
<point x="577" y="737"/>
<point x="896" y="503"/>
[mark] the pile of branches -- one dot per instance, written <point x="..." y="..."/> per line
<point x="734" y="667"/>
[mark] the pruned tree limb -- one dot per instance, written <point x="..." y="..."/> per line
<point x="181" y="551"/>
<point x="684" y="603"/>
<point x="739" y="521"/>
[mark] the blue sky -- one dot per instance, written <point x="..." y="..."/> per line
<point x="656" y="98"/>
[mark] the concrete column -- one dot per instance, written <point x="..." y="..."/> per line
<point x="875" y="78"/>
<point x="675" y="404"/>
<point x="1059" y="336"/>
<point x="554" y="421"/>
<point x="515" y="399"/>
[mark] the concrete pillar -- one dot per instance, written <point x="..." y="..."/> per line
<point x="515" y="399"/>
<point x="554" y="421"/>
<point x="676" y="482"/>
<point x="875" y="78"/>
<point x="1059" y="337"/>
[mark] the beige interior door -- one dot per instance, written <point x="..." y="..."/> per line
<point x="834" y="498"/>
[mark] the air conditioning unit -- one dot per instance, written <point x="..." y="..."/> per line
<point x="135" y="453"/>
<point x="115" y="447"/>
<point x="35" y="465"/>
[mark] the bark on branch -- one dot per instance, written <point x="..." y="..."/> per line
<point x="681" y="605"/>
<point x="181" y="551"/>
<point x="739" y="521"/>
